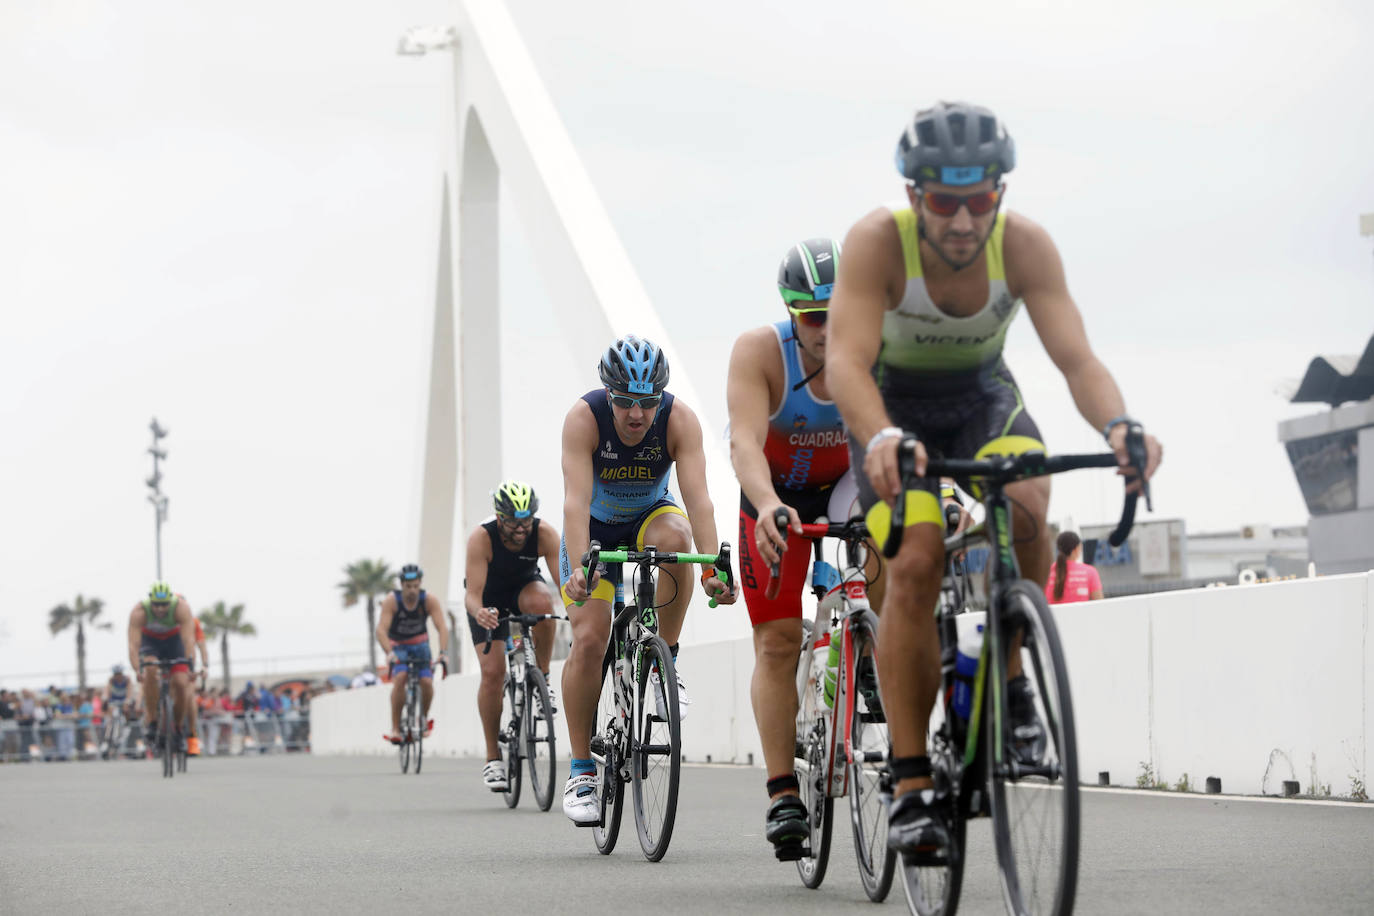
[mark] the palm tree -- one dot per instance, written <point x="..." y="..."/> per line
<point x="63" y="616"/>
<point x="367" y="579"/>
<point x="222" y="622"/>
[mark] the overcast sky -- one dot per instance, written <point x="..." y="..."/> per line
<point x="226" y="216"/>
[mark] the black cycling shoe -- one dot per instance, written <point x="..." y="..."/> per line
<point x="916" y="828"/>
<point x="1027" y="731"/>
<point x="787" y="827"/>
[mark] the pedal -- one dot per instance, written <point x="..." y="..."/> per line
<point x="791" y="852"/>
<point x="590" y="824"/>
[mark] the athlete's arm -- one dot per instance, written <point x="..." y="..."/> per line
<point x="384" y="624"/>
<point x="1034" y="263"/>
<point x="135" y="637"/>
<point x="750" y="404"/>
<point x="479" y="560"/>
<point x="579" y="442"/>
<point x="685" y="447"/>
<point x="188" y="629"/>
<point x="871" y="277"/>
<point x="436" y="614"/>
<point x="548" y="549"/>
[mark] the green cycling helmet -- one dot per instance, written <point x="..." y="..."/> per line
<point x="160" y="592"/>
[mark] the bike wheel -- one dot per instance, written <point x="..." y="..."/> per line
<point x="165" y="726"/>
<point x="1034" y="793"/>
<point x="407" y="728"/>
<point x="933" y="890"/>
<point x="868" y="776"/>
<point x="511" y="739"/>
<point x="812" y="765"/>
<point x="656" y="748"/>
<point x="540" y="747"/>
<point x="608" y="750"/>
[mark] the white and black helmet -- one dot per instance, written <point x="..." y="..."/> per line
<point x="807" y="271"/>
<point x="955" y="143"/>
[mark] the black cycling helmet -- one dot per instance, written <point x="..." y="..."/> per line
<point x="634" y="365"/>
<point x="807" y="270"/>
<point x="410" y="572"/>
<point x="955" y="143"/>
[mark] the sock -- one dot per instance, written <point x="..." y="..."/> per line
<point x="673" y="649"/>
<point x="583" y="767"/>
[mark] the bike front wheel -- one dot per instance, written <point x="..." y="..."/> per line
<point x="540" y="748"/>
<point x="1033" y="763"/>
<point x="165" y="724"/>
<point x="933" y="890"/>
<point x="655" y="747"/>
<point x="868" y="778"/>
<point x="812" y="763"/>
<point x="608" y="751"/>
<point x="511" y="739"/>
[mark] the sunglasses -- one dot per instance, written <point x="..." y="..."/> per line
<point x="812" y="317"/>
<point x="510" y="522"/>
<point x="648" y="402"/>
<point x="943" y="204"/>
<point x="161" y="605"/>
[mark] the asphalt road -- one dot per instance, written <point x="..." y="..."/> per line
<point x="347" y="834"/>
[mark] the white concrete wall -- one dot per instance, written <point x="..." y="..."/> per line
<point x="1214" y="682"/>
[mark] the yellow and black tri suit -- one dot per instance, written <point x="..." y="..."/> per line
<point x="942" y="377"/>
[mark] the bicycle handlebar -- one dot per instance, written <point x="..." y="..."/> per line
<point x="855" y="529"/>
<point x="525" y="620"/>
<point x="1004" y="469"/>
<point x="652" y="557"/>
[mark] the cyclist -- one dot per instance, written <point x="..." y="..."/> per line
<point x="619" y="443"/>
<point x="402" y="632"/>
<point x="789" y="448"/>
<point x="162" y="628"/>
<point x="116" y="704"/>
<point x="503" y="574"/>
<point x="921" y="311"/>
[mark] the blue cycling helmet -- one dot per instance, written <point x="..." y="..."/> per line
<point x="634" y="365"/>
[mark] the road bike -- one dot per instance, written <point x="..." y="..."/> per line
<point x="114" y="731"/>
<point x="637" y="733"/>
<point x="1029" y="785"/>
<point x="413" y="724"/>
<point x="529" y="734"/>
<point x="842" y="742"/>
<point x="171" y="745"/>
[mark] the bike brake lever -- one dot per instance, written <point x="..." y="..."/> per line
<point x="722" y="567"/>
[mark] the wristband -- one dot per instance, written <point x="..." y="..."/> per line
<point x="887" y="432"/>
<point x="1114" y="422"/>
<point x="709" y="573"/>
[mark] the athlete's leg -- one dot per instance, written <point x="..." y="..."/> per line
<point x="671" y="531"/>
<point x="149" y="677"/>
<point x="909" y="644"/>
<point x="591" y="630"/>
<point x="426" y="697"/>
<point x="534" y="598"/>
<point x="181" y="687"/>
<point x="493" y="667"/>
<point x="1034" y="546"/>
<point x="398" y="699"/>
<point x="773" y="691"/>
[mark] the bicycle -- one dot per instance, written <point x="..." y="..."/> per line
<point x="979" y="768"/>
<point x="632" y="743"/>
<point x="530" y="728"/>
<point x="172" y="744"/>
<point x="114" y="732"/>
<point x="842" y="743"/>
<point x="413" y="726"/>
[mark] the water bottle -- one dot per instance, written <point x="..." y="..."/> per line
<point x="832" y="666"/>
<point x="970" y="627"/>
<point x="510" y="644"/>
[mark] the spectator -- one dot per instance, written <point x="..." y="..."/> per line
<point x="248" y="700"/>
<point x="267" y="700"/>
<point x="63" y="716"/>
<point x="285" y="701"/>
<point x="1071" y="580"/>
<point x="84" y="714"/>
<point x="9" y="726"/>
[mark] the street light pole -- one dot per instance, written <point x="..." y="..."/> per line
<point x="156" y="497"/>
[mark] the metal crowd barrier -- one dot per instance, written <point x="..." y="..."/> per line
<point x="221" y="735"/>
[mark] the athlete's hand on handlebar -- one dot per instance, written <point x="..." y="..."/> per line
<point x="577" y="586"/>
<point x="881" y="468"/>
<point x="1154" y="453"/>
<point x="442" y="660"/>
<point x="716" y="589"/>
<point x="487" y="618"/>
<point x="768" y="537"/>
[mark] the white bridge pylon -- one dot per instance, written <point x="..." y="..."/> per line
<point x="504" y="125"/>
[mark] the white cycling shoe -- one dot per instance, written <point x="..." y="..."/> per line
<point x="684" y="702"/>
<point x="580" y="802"/>
<point x="494" y="776"/>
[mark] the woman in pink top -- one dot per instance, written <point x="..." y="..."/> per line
<point x="1071" y="580"/>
